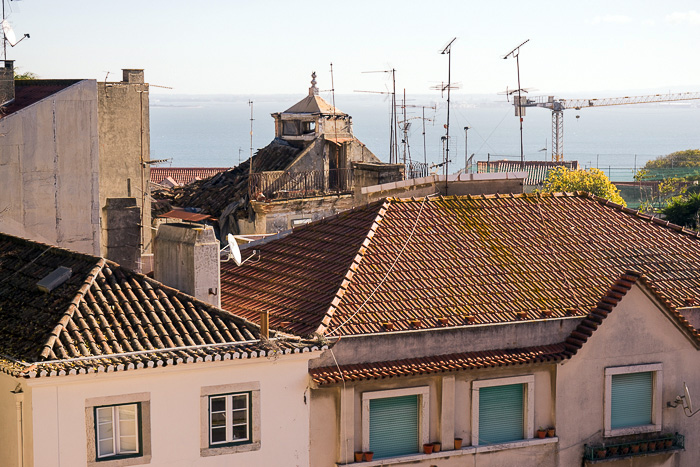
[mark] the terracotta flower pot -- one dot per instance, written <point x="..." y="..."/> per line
<point x="643" y="447"/>
<point x="634" y="448"/>
<point x="668" y="443"/>
<point x="541" y="433"/>
<point x="368" y="456"/>
<point x="624" y="450"/>
<point x="600" y="453"/>
<point x="428" y="448"/>
<point x="652" y="445"/>
<point x="437" y="447"/>
<point x="458" y="443"/>
<point x="612" y="450"/>
<point x="358" y="456"/>
<point x="550" y="433"/>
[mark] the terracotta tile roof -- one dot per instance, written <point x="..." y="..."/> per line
<point x="537" y="170"/>
<point x="313" y="104"/>
<point x="105" y="315"/>
<point x="474" y="259"/>
<point x="439" y="364"/>
<point x="31" y="91"/>
<point x="185" y="215"/>
<point x="184" y="175"/>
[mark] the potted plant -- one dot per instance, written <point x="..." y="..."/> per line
<point x="541" y="432"/>
<point x="550" y="432"/>
<point x="643" y="446"/>
<point x="358" y="456"/>
<point x="634" y="448"/>
<point x="437" y="446"/>
<point x="368" y="456"/>
<point x="652" y="445"/>
<point x="625" y="449"/>
<point x="458" y="443"/>
<point x="600" y="452"/>
<point x="612" y="450"/>
<point x="428" y="448"/>
<point x="668" y="440"/>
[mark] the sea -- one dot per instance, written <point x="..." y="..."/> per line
<point x="215" y="130"/>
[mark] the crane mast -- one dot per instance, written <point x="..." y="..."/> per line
<point x="557" y="106"/>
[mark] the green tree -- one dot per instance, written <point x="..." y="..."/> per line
<point x="684" y="210"/>
<point x="687" y="158"/>
<point x="593" y="181"/>
<point x="26" y="75"/>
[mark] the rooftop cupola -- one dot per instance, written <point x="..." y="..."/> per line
<point x="313" y="90"/>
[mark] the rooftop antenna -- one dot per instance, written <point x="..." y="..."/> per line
<point x="519" y="108"/>
<point x="8" y="35"/>
<point x="234" y="251"/>
<point x="393" y="144"/>
<point x="447" y="50"/>
<point x="250" y="165"/>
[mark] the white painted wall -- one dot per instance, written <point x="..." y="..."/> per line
<point x="49" y="170"/>
<point x="59" y="411"/>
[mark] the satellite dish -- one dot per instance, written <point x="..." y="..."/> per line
<point x="8" y="32"/>
<point x="234" y="250"/>
<point x="688" y="402"/>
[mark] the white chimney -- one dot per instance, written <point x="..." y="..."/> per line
<point x="186" y="257"/>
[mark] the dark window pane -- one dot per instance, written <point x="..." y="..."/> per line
<point x="240" y="416"/>
<point x="240" y="402"/>
<point x="218" y="404"/>
<point x="240" y="432"/>
<point x="218" y="435"/>
<point x="218" y="419"/>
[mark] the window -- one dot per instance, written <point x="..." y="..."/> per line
<point x="230" y="419"/>
<point x="395" y="422"/>
<point x="503" y="410"/>
<point x="633" y="399"/>
<point x="118" y="430"/>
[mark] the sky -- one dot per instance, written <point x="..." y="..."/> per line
<point x="575" y="49"/>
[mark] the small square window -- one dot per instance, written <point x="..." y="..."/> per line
<point x="118" y="430"/>
<point x="229" y="419"/>
<point x="633" y="399"/>
<point x="502" y="410"/>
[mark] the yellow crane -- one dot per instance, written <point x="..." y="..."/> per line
<point x="557" y="106"/>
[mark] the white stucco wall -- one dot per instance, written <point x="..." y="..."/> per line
<point x="59" y="411"/>
<point x="49" y="170"/>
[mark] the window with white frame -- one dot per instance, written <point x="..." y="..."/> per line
<point x="633" y="399"/>
<point x="503" y="410"/>
<point x="117" y="430"/>
<point x="229" y="419"/>
<point x="395" y="422"/>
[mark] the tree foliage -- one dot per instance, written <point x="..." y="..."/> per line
<point x="684" y="210"/>
<point x="26" y="75"/>
<point x="593" y="181"/>
<point x="678" y="159"/>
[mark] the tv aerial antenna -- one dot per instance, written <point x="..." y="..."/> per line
<point x="393" y="135"/>
<point x="447" y="50"/>
<point x="685" y="402"/>
<point x="8" y="35"/>
<point x="515" y="53"/>
<point x="234" y="252"/>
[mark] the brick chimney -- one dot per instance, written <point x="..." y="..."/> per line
<point x="132" y="75"/>
<point x="186" y="257"/>
<point x="7" y="82"/>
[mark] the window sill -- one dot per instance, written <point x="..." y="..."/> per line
<point x="120" y="461"/>
<point x="633" y="430"/>
<point x="468" y="450"/>
<point x="230" y="449"/>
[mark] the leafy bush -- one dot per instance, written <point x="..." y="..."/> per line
<point x="593" y="181"/>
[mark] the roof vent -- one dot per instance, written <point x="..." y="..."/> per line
<point x="53" y="280"/>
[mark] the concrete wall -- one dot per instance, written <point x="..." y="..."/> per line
<point x="124" y="143"/>
<point x="59" y="411"/>
<point x="49" y="168"/>
<point x="636" y="332"/>
<point x="15" y="435"/>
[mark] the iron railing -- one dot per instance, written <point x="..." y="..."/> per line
<point x="641" y="447"/>
<point x="305" y="184"/>
<point x="416" y="170"/>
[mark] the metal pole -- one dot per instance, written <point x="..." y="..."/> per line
<point x="520" y="114"/>
<point x="250" y="164"/>
<point x="425" y="157"/>
<point x="447" y="148"/>
<point x="466" y="156"/>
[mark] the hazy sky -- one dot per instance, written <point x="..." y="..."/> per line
<point x="255" y="47"/>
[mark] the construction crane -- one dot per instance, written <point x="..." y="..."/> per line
<point x="557" y="106"/>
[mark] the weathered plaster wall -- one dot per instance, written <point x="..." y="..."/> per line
<point x="49" y="168"/>
<point x="9" y="446"/>
<point x="277" y="216"/>
<point x="59" y="411"/>
<point x="636" y="332"/>
<point x="124" y="130"/>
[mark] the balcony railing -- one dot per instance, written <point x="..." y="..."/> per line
<point x="287" y="185"/>
<point x="642" y="447"/>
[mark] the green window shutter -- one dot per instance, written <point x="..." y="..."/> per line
<point x="393" y="426"/>
<point x="630" y="403"/>
<point x="501" y="413"/>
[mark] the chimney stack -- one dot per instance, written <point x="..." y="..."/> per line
<point x="186" y="257"/>
<point x="7" y="82"/>
<point x="132" y="75"/>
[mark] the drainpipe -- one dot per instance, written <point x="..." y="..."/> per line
<point x="19" y="402"/>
